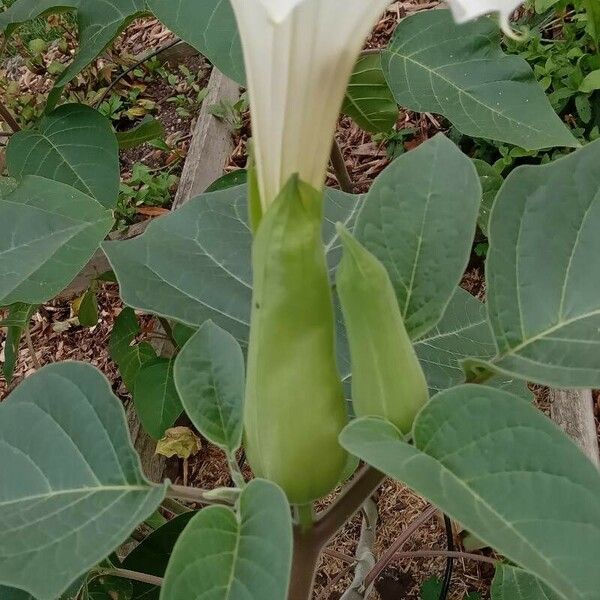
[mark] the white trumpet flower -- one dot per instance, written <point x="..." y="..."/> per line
<point x="299" y="56"/>
<point x="467" y="10"/>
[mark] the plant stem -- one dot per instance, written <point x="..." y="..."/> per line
<point x="134" y="576"/>
<point x="174" y="507"/>
<point x="349" y="502"/>
<point x="8" y="118"/>
<point x="307" y="550"/>
<point x="168" y="330"/>
<point x="191" y="494"/>
<point x="34" y="358"/>
<point x="339" y="168"/>
<point x="392" y="551"/>
<point x="446" y="554"/>
<point x="234" y="469"/>
<point x="305" y="516"/>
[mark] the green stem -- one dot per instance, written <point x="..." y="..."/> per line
<point x="305" y="516"/>
<point x="134" y="576"/>
<point x="190" y="494"/>
<point x="339" y="168"/>
<point x="234" y="470"/>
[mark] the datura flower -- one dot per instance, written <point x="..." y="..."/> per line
<point x="467" y="10"/>
<point x="299" y="56"/>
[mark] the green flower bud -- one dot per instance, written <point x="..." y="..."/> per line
<point x="295" y="408"/>
<point x="387" y="379"/>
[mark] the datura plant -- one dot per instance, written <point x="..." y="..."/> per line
<point x="321" y="339"/>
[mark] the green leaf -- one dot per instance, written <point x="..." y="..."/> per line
<point x="74" y="145"/>
<point x="462" y="333"/>
<point x="459" y="71"/>
<point x="210" y="377"/>
<point x="88" y="310"/>
<point x="232" y="179"/>
<point x="72" y="485"/>
<point x="491" y="182"/>
<point x="591" y="83"/>
<point x="149" y="129"/>
<point x="155" y="396"/>
<point x="209" y="240"/>
<point x="210" y="27"/>
<point x="369" y="100"/>
<point x="421" y="228"/>
<point x="152" y="555"/>
<point x="48" y="232"/>
<point x="486" y="459"/>
<point x="512" y="583"/>
<point x="19" y="315"/>
<point x="431" y="589"/>
<point x="98" y="22"/>
<point x="542" y="274"/>
<point x="235" y="557"/>
<point x="130" y="357"/>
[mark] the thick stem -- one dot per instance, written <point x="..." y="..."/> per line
<point x="307" y="550"/>
<point x="348" y="504"/>
<point x="339" y="168"/>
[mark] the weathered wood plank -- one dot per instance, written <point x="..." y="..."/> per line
<point x="573" y="411"/>
<point x="211" y="144"/>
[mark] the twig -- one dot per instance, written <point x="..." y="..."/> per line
<point x="36" y="363"/>
<point x="141" y="61"/>
<point x="340" y="169"/>
<point x="134" y="576"/>
<point x="326" y="591"/>
<point x="191" y="494"/>
<point x="8" y="118"/>
<point x="343" y="557"/>
<point x="392" y="551"/>
<point x="446" y="554"/>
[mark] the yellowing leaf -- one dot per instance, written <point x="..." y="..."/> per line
<point x="179" y="441"/>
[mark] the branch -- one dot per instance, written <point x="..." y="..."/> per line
<point x="349" y="502"/>
<point x="135" y="65"/>
<point x="134" y="576"/>
<point x="392" y="551"/>
<point x="447" y="554"/>
<point x="8" y="118"/>
<point x="199" y="496"/>
<point x="339" y="168"/>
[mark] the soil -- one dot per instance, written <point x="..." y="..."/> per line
<point x="56" y="337"/>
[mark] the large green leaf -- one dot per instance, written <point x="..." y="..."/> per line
<point x="155" y="396"/>
<point x="98" y="23"/>
<point x="512" y="583"/>
<point x="209" y="240"/>
<point x="74" y="145"/>
<point x="209" y="375"/>
<point x="497" y="465"/>
<point x="224" y="556"/>
<point x="462" y="333"/>
<point x="434" y="65"/>
<point x="130" y="357"/>
<point x="422" y="229"/>
<point x="210" y="27"/>
<point x="48" y="232"/>
<point x="369" y="100"/>
<point x="152" y="555"/>
<point x="543" y="272"/>
<point x="71" y="485"/>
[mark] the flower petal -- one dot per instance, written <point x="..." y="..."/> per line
<point x="298" y="70"/>
<point x="467" y="10"/>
